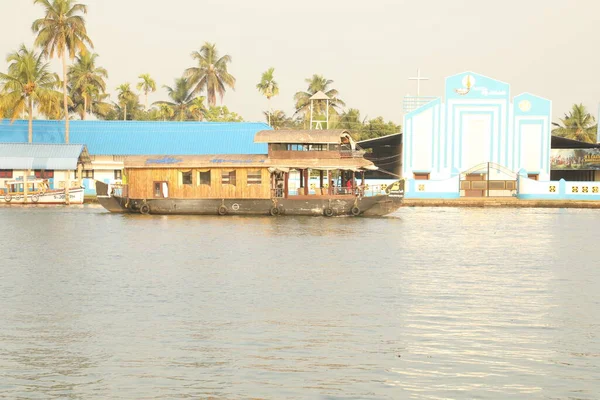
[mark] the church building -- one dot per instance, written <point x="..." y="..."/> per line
<point x="476" y="135"/>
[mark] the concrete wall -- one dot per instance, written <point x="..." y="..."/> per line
<point x="557" y="190"/>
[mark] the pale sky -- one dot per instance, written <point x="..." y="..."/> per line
<point x="368" y="48"/>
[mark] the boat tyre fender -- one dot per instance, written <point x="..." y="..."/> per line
<point x="274" y="211"/>
<point x="35" y="198"/>
<point x="355" y="211"/>
<point x="7" y="198"/>
<point x="222" y="210"/>
<point x="328" y="212"/>
<point x="145" y="209"/>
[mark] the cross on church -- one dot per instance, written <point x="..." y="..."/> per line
<point x="418" y="78"/>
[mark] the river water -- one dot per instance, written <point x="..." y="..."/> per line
<point x="429" y="303"/>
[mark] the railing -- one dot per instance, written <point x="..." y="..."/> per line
<point x="352" y="153"/>
<point x="361" y="191"/>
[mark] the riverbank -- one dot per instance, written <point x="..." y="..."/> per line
<point x="508" y="202"/>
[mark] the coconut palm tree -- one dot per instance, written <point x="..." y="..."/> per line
<point x="62" y="32"/>
<point x="126" y="96"/>
<point x="315" y="84"/>
<point x="182" y="97"/>
<point x="268" y="87"/>
<point x="578" y="124"/>
<point x="211" y="73"/>
<point x="86" y="81"/>
<point x="165" y="111"/>
<point x="28" y="83"/>
<point x="197" y="108"/>
<point x="146" y="85"/>
<point x="278" y="120"/>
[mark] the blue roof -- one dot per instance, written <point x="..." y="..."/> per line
<point x="39" y="156"/>
<point x="143" y="137"/>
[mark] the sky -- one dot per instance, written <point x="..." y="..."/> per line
<point x="369" y="49"/>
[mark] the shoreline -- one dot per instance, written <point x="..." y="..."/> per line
<point x="501" y="202"/>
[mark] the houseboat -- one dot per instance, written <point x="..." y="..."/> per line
<point x="277" y="183"/>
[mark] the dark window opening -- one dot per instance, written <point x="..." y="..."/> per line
<point x="228" y="178"/>
<point x="204" y="178"/>
<point x="254" y="177"/>
<point x="44" y="174"/>
<point x="186" y="178"/>
<point x="6" y="173"/>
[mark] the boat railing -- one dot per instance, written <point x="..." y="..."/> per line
<point x="361" y="191"/>
<point x="352" y="153"/>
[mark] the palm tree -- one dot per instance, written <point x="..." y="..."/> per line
<point x="315" y="84"/>
<point x="278" y="120"/>
<point x="268" y="87"/>
<point x="578" y="124"/>
<point x="147" y="85"/>
<point x="28" y="83"/>
<point x="165" y="111"/>
<point x="182" y="97"/>
<point x="211" y="73"/>
<point x="126" y="96"/>
<point x="197" y="108"/>
<point x="86" y="81"/>
<point x="62" y="32"/>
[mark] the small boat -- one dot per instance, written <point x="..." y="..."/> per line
<point x="38" y="192"/>
<point x="277" y="183"/>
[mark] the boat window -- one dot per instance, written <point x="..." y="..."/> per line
<point x="118" y="174"/>
<point x="44" y="174"/>
<point x="186" y="177"/>
<point x="228" y="177"/>
<point x="6" y="173"/>
<point x="204" y="177"/>
<point x="254" y="177"/>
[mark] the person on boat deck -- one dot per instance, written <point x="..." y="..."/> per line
<point x="349" y="186"/>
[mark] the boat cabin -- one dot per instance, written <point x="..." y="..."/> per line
<point x="324" y="163"/>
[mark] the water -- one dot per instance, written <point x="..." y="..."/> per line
<point x="426" y="304"/>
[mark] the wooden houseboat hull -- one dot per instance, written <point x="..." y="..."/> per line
<point x="299" y="205"/>
<point x="366" y="206"/>
<point x="50" y="197"/>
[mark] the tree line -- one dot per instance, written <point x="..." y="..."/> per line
<point x="29" y="87"/>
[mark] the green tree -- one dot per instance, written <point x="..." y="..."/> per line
<point x="87" y="84"/>
<point x="578" y="124"/>
<point x="211" y="74"/>
<point x="222" y="114"/>
<point x="146" y="85"/>
<point x="127" y="98"/>
<point x="278" y="120"/>
<point x="62" y="32"/>
<point x="197" y="108"/>
<point x="28" y="83"/>
<point x="268" y="87"/>
<point x="182" y="97"/>
<point x="315" y="84"/>
<point x="165" y="112"/>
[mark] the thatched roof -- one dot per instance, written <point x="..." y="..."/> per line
<point x="302" y="136"/>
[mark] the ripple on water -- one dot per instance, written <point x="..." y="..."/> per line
<point x="429" y="303"/>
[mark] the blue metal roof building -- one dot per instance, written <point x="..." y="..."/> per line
<point x="24" y="156"/>
<point x="143" y="137"/>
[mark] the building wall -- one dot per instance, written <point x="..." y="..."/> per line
<point x="477" y="124"/>
<point x="141" y="183"/>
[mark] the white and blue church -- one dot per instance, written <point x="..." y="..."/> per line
<point x="476" y="140"/>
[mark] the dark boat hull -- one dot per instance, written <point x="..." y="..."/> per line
<point x="305" y="205"/>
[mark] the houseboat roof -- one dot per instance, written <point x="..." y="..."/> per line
<point x="302" y="136"/>
<point x="143" y="137"/>
<point x="246" y="161"/>
<point x="25" y="156"/>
